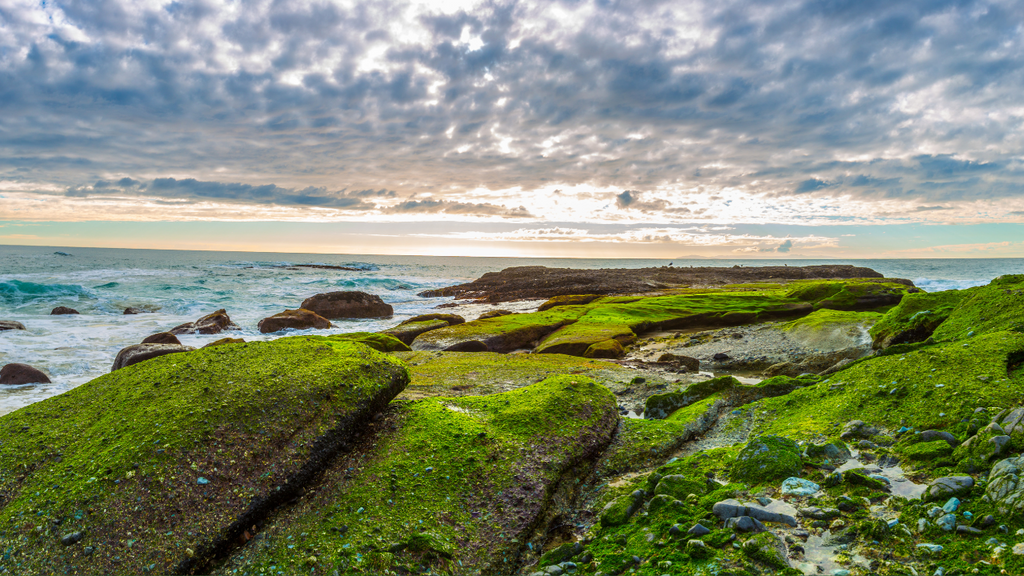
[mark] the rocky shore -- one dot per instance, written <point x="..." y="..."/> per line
<point x="819" y="420"/>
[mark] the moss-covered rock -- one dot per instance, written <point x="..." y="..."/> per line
<point x="605" y="349"/>
<point x="568" y="300"/>
<point x="927" y="451"/>
<point x="620" y="510"/>
<point x="379" y="342"/>
<point x="680" y="486"/>
<point x="766" y="548"/>
<point x="993" y="308"/>
<point x="916" y="317"/>
<point x="767" y="459"/>
<point x="660" y="406"/>
<point x="407" y="332"/>
<point x="475" y="473"/>
<point x="160" y="465"/>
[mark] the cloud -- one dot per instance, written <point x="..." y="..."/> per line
<point x="630" y="200"/>
<point x="785" y="246"/>
<point x="431" y="206"/>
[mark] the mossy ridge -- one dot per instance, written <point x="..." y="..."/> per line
<point x="380" y="342"/>
<point x="932" y="387"/>
<point x="478" y="373"/>
<point x="573" y="328"/>
<point x="826" y="318"/>
<point x="472" y="473"/>
<point x="996" y="307"/>
<point x="916" y="317"/>
<point x="124" y="453"/>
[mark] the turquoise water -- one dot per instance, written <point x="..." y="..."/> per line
<point x="179" y="286"/>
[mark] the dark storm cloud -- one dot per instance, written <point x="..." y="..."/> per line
<point x="507" y="94"/>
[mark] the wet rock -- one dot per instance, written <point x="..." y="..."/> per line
<point x="932" y="435"/>
<point x="610" y="348"/>
<point x="767" y="458"/>
<point x="407" y="332"/>
<point x="161" y="338"/>
<point x="11" y="325"/>
<point x="834" y="452"/>
<point x="947" y="487"/>
<point x="858" y="429"/>
<point x="132" y="310"/>
<point x="698" y="530"/>
<point x="947" y="522"/>
<point x="354" y="304"/>
<point x="141" y="352"/>
<point x="22" y="374"/>
<point x="212" y="323"/>
<point x="720" y="357"/>
<point x="733" y="508"/>
<point x="816" y="513"/>
<point x="493" y="314"/>
<point x="691" y="364"/>
<point x="969" y="530"/>
<point x="745" y="524"/>
<point x="620" y="510"/>
<point x="300" y="319"/>
<point x="72" y="538"/>
<point x="794" y="486"/>
<point x="62" y="310"/>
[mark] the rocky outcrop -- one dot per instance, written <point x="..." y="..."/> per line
<point x="22" y="374"/>
<point x="62" y="310"/>
<point x="214" y="323"/>
<point x="408" y="330"/>
<point x="224" y="341"/>
<point x="11" y="325"/>
<point x="295" y="319"/>
<point x="140" y="352"/>
<point x="535" y="282"/>
<point x="338" y="305"/>
<point x="494" y="314"/>
<point x="161" y="338"/>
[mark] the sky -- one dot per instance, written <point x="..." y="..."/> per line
<point x="647" y="129"/>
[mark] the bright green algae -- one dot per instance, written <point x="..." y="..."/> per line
<point x="992" y="308"/>
<point x="155" y="461"/>
<point x="916" y="317"/>
<point x="572" y="329"/>
<point x="455" y="484"/>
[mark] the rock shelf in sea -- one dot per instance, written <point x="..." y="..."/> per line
<point x="774" y="421"/>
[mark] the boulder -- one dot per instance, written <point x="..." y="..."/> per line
<point x="62" y="310"/>
<point x="11" y="325"/>
<point x="210" y="324"/>
<point x="733" y="509"/>
<point x="605" y="349"/>
<point x="691" y="364"/>
<point x="296" y="319"/>
<point x="679" y="487"/>
<point x="765" y="459"/>
<point x="449" y="319"/>
<point x="224" y="341"/>
<point x="139" y="352"/>
<point x="947" y="487"/>
<point x="858" y="429"/>
<point x="333" y="305"/>
<point x="834" y="452"/>
<point x="768" y="549"/>
<point x="132" y="310"/>
<point x="161" y="338"/>
<point x="1005" y="490"/>
<point x="22" y="374"/>
<point x="408" y="330"/>
<point x="745" y="524"/>
<point x="620" y="510"/>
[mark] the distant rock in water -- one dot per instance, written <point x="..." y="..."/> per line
<point x="139" y="352"/>
<point x="162" y="338"/>
<point x="62" y="310"/>
<point x="534" y="282"/>
<point x="297" y="319"/>
<point x="58" y="253"/>
<point x="209" y="324"/>
<point x="132" y="310"/>
<point x="333" y="305"/>
<point x="11" y="325"/>
<point x="22" y="374"/>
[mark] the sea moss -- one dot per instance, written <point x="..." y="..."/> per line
<point x="992" y="308"/>
<point x="916" y="317"/>
<point x="159" y="462"/>
<point x="767" y="459"/>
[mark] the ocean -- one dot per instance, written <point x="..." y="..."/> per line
<point x="180" y="286"/>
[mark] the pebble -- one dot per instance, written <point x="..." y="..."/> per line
<point x="934" y="512"/>
<point x="965" y="529"/>
<point x="698" y="530"/>
<point x="202" y="481"/>
<point x="951" y="505"/>
<point x="933" y="548"/>
<point x="1018" y="549"/>
<point x="947" y="522"/>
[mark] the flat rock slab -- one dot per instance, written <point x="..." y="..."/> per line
<point x="530" y="282"/>
<point x="179" y="456"/>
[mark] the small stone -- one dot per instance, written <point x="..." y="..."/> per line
<point x="987" y="521"/>
<point x="794" y="486"/>
<point x="1018" y="549"/>
<point x="951" y="505"/>
<point x="745" y="524"/>
<point x="922" y="525"/>
<point x="72" y="538"/>
<point x="88" y="550"/>
<point x="202" y="481"/>
<point x="698" y="530"/>
<point x="965" y="529"/>
<point x="947" y="522"/>
<point x="934" y="512"/>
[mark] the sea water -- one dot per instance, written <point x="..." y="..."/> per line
<point x="174" y="287"/>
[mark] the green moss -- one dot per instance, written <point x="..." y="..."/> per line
<point x="379" y="342"/>
<point x="568" y="300"/>
<point x="767" y="549"/>
<point x="604" y="349"/>
<point x="161" y="457"/>
<point x="916" y="317"/>
<point x="927" y="451"/>
<point x="996" y="307"/>
<point x="767" y="459"/>
<point x="826" y="318"/>
<point x="660" y="406"/>
<point x="454" y="484"/>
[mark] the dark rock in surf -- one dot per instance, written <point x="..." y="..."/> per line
<point x="11" y="325"/>
<point x="62" y="310"/>
<point x="297" y="319"/>
<point x="161" y="338"/>
<point x="141" y="352"/>
<point x="209" y="324"/>
<point x="22" y="374"/>
<point x="334" y="305"/>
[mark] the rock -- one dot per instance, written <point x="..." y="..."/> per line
<point x="300" y="319"/>
<point x="22" y="374"/>
<point x="678" y="486"/>
<point x="767" y="458"/>
<point x="744" y="524"/>
<point x="140" y="352"/>
<point x="859" y="478"/>
<point x="335" y="305"/>
<point x="11" y="325"/>
<point x="947" y="487"/>
<point x="970" y="530"/>
<point x="834" y="452"/>
<point x="132" y="310"/>
<point x="224" y="341"/>
<point x="1018" y="549"/>
<point x="698" y="530"/>
<point x="733" y="508"/>
<point x="213" y="323"/>
<point x="407" y="332"/>
<point x="987" y="521"/>
<point x="816" y="513"/>
<point x="161" y="338"/>
<point x="691" y="364"/>
<point x="620" y="510"/>
<point x="794" y="486"/>
<point x="858" y="429"/>
<point x="932" y="435"/>
<point x="664" y="501"/>
<point x="493" y="314"/>
<point x="72" y="538"/>
<point x="62" y="310"/>
<point x="449" y="319"/>
<point x="610" y="348"/>
<point x="720" y="357"/>
<point x="768" y="549"/>
<point x="947" y="522"/>
<point x="990" y="442"/>
<point x="561" y="553"/>
<point x="926" y="451"/>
